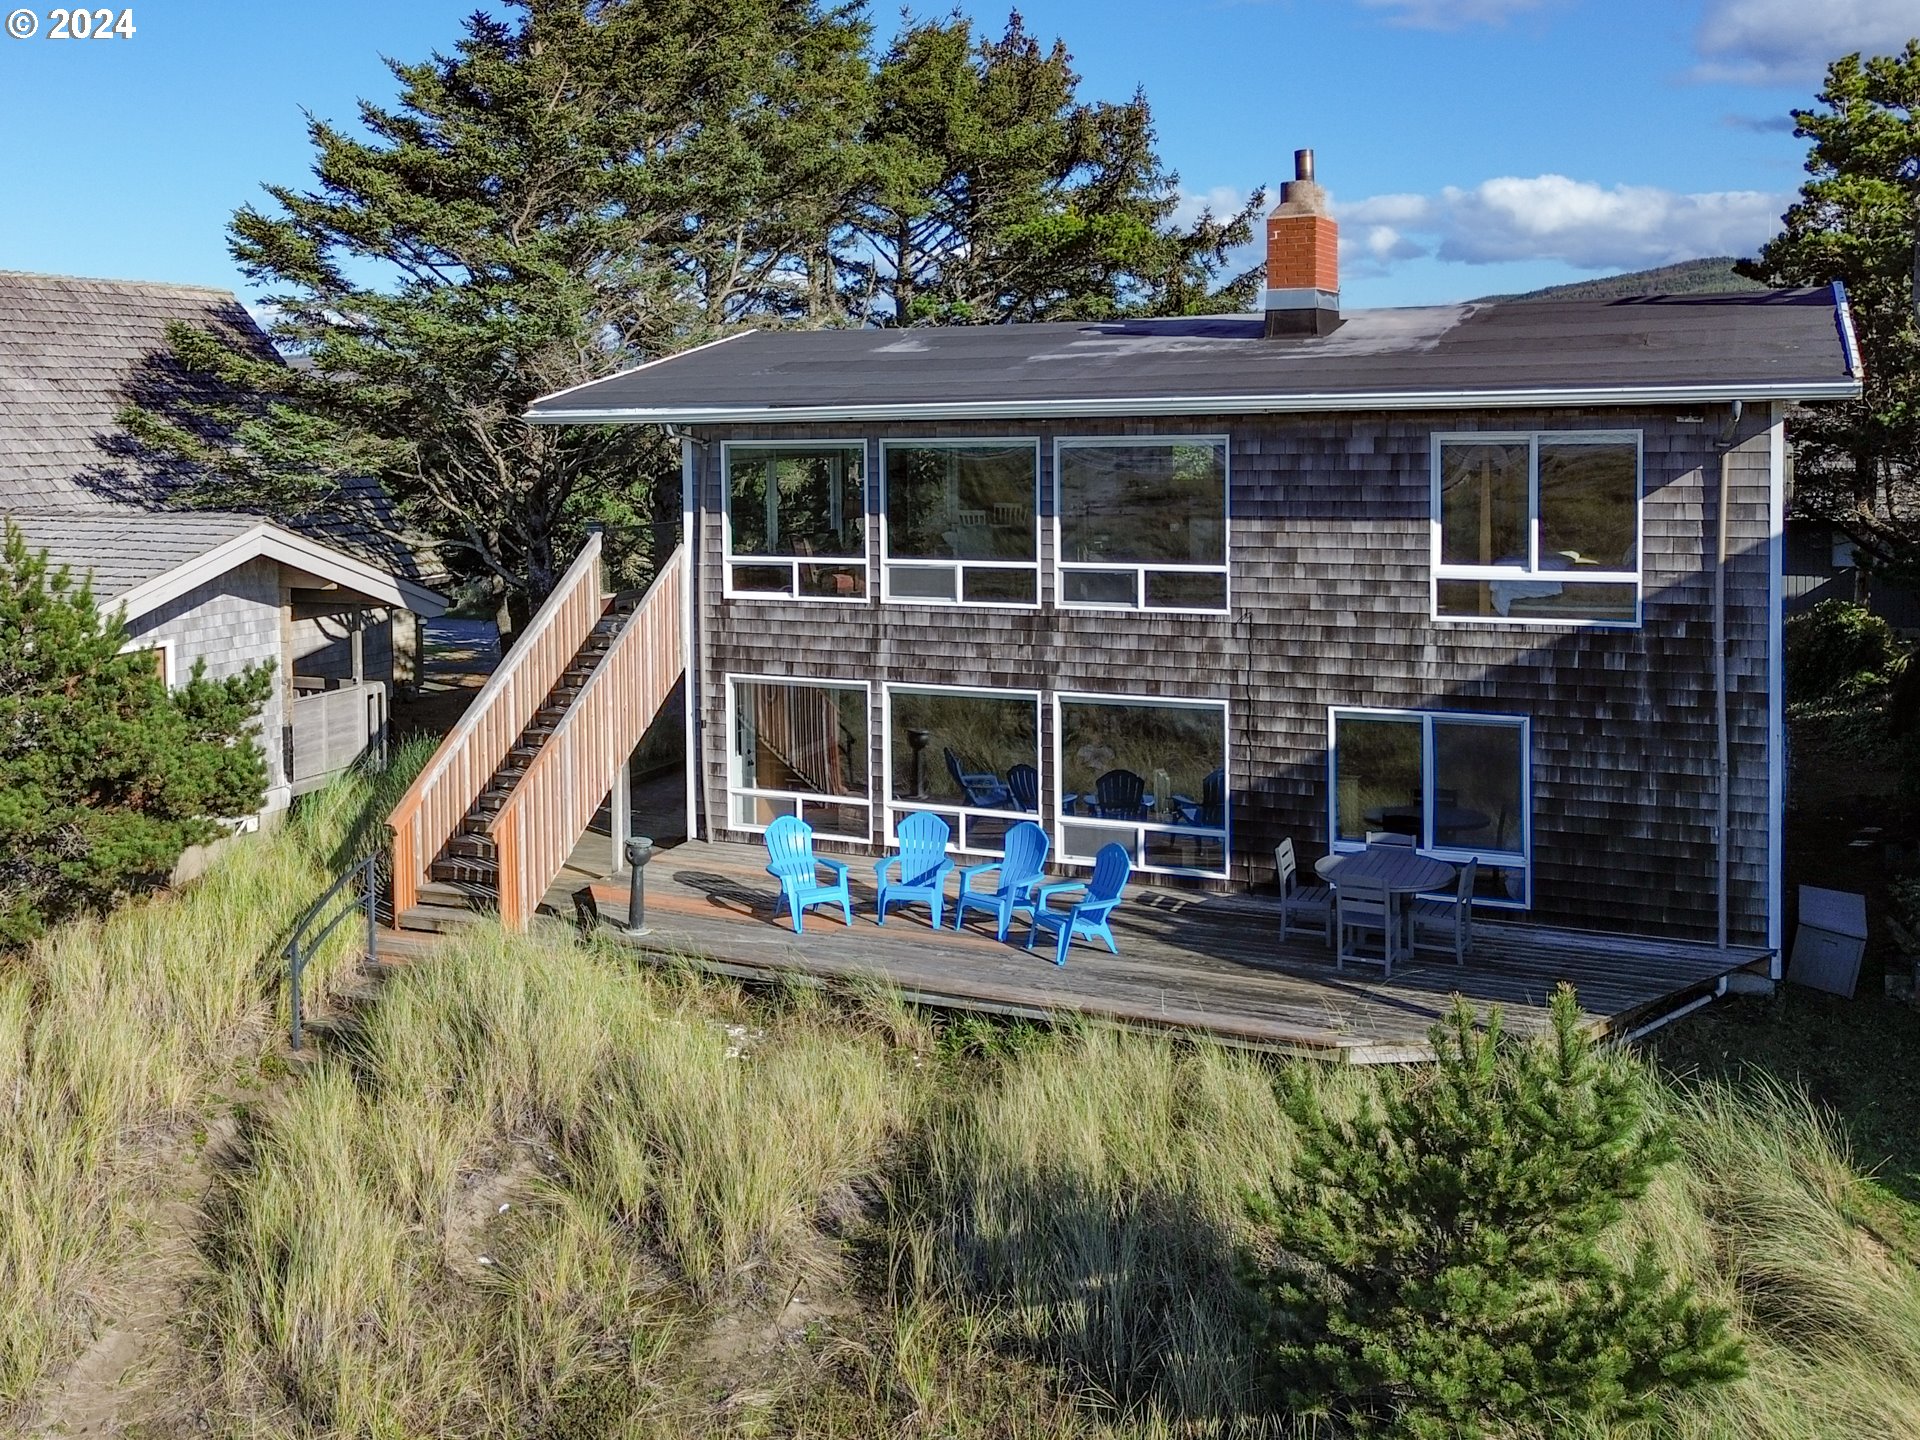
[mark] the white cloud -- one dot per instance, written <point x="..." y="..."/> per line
<point x="1451" y="14"/>
<point x="1790" y="42"/>
<point x="1222" y="200"/>
<point x="1552" y="217"/>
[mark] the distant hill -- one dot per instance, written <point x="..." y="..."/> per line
<point x="1689" y="277"/>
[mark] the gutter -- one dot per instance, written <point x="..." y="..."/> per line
<point x="1095" y="407"/>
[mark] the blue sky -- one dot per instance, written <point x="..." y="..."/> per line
<point x="1470" y="146"/>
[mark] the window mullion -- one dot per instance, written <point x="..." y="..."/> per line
<point x="1533" y="505"/>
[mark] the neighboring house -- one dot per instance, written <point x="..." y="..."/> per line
<point x="1506" y="577"/>
<point x="1821" y="565"/>
<point x="332" y="605"/>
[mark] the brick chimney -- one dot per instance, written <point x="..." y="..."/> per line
<point x="1303" y="258"/>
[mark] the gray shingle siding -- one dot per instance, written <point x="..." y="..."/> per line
<point x="230" y="623"/>
<point x="1330" y="606"/>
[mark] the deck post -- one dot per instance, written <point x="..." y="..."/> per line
<point x="622" y="813"/>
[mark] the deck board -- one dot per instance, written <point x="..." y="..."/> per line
<point x="1207" y="962"/>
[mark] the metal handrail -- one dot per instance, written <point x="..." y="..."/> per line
<point x="364" y="874"/>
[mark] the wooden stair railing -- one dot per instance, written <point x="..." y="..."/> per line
<point x="555" y="799"/>
<point x="438" y="800"/>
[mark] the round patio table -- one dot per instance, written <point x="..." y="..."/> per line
<point x="1402" y="869"/>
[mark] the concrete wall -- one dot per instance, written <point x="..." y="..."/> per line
<point x="230" y="623"/>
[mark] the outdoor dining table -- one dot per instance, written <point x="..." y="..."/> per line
<point x="1402" y="869"/>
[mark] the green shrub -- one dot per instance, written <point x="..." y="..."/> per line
<point x="1441" y="1267"/>
<point x="1836" y="649"/>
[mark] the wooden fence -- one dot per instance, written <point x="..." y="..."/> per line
<point x="551" y="807"/>
<point x="436" y="802"/>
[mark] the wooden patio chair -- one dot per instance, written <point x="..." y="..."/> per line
<point x="1016" y="873"/>
<point x="791" y="861"/>
<point x="922" y="864"/>
<point x="1307" y="902"/>
<point x="1450" y="921"/>
<point x="1364" y="906"/>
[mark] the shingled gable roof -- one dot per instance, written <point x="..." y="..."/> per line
<point x="1680" y="349"/>
<point x="142" y="560"/>
<point x="73" y="351"/>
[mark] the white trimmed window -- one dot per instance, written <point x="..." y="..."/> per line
<point x="1459" y="783"/>
<point x="800" y="747"/>
<point x="962" y="521"/>
<point x="971" y="757"/>
<point x="1142" y="523"/>
<point x="796" y="519"/>
<point x="1538" y="527"/>
<point x="1149" y="774"/>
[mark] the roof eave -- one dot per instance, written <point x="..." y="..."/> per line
<point x="284" y="546"/>
<point x="1096" y="407"/>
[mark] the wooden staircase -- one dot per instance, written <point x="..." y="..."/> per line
<point x="495" y="813"/>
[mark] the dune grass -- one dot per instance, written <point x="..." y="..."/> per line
<point x="546" y="1190"/>
<point x="794" y="1215"/>
<point x="111" y="1031"/>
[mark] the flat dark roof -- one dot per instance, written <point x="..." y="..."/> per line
<point x="1768" y="345"/>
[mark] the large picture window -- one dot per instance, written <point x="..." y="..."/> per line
<point x="962" y="521"/>
<point x="796" y="520"/>
<point x="1537" y="527"/>
<point x="1458" y="783"/>
<point x="970" y="756"/>
<point x="1143" y="523"/>
<point x="1148" y="774"/>
<point x="801" y="747"/>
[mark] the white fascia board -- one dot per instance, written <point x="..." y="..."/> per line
<point x="270" y="542"/>
<point x="1095" y="408"/>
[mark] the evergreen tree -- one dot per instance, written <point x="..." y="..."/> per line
<point x="1857" y="220"/>
<point x="576" y="188"/>
<point x="1440" y="1270"/>
<point x="105" y="775"/>
<point x="993" y="192"/>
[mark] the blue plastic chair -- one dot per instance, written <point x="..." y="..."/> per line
<point x="1120" y="795"/>
<point x="791" y="861"/>
<point x="983" y="788"/>
<point x="1091" y="915"/>
<point x="1024" y="783"/>
<point x="922" y="863"/>
<point x="1211" y="807"/>
<point x="1019" y="869"/>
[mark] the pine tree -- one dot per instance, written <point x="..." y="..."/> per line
<point x="105" y="775"/>
<point x="1440" y="1270"/>
<point x="1857" y="220"/>
<point x="577" y="187"/>
<point x="993" y="192"/>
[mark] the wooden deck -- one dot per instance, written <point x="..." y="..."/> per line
<point x="1212" y="963"/>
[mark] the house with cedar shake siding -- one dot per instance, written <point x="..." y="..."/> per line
<point x="1505" y="578"/>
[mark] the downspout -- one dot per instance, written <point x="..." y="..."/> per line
<point x="1724" y="767"/>
<point x="689" y="636"/>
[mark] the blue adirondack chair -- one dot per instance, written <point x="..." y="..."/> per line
<point x="983" y="788"/>
<point x="1211" y="807"/>
<point x="1024" y="782"/>
<point x="1091" y="915"/>
<point x="922" y="865"/>
<point x="1019" y="870"/>
<point x="791" y="861"/>
<point x="1120" y="795"/>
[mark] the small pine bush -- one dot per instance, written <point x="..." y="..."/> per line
<point x="1837" y="649"/>
<point x="106" y="775"/>
<point x="1440" y="1268"/>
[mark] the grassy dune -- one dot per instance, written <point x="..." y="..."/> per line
<point x="548" y="1192"/>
